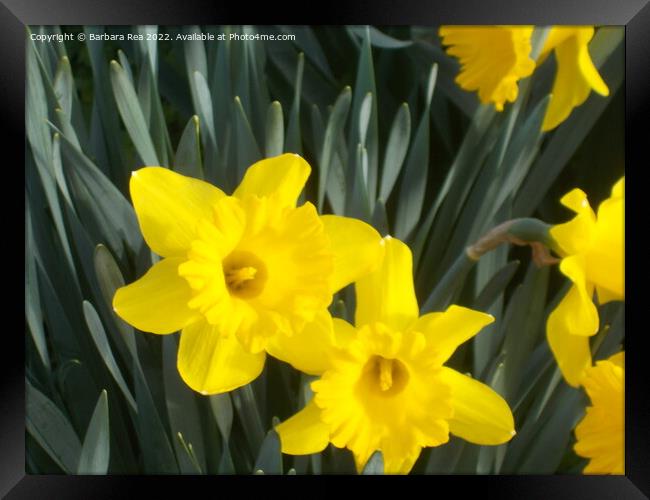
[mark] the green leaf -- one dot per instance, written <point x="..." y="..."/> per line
<point x="132" y="116"/>
<point x="150" y="99"/>
<point x="259" y="93"/>
<point x="307" y="42"/>
<point x="375" y="465"/>
<point x="360" y="202"/>
<point x="124" y="62"/>
<point x="367" y="136"/>
<point x="380" y="218"/>
<point x="245" y="403"/>
<point x="274" y="130"/>
<point x="58" y="170"/>
<point x="292" y="140"/>
<point x="95" y="452"/>
<point x="553" y="433"/>
<point x="523" y="329"/>
<point x="521" y="153"/>
<point x="36" y="113"/>
<point x="222" y="411"/>
<point x="379" y="39"/>
<point x="101" y="342"/>
<point x="64" y="85"/>
<point x="414" y="183"/>
<point x="248" y="151"/>
<point x="220" y="83"/>
<point x="495" y="286"/>
<point x="443" y="459"/>
<point x="33" y="311"/>
<point x="203" y="108"/>
<point x="335" y="124"/>
<point x="468" y="160"/>
<point x="426" y="53"/>
<point x="105" y="129"/>
<point x="269" y="459"/>
<point x="51" y="429"/>
<point x="487" y="342"/>
<point x="157" y="453"/>
<point x="396" y="148"/>
<point x="183" y="412"/>
<point x="106" y="199"/>
<point x="444" y="292"/>
<point x="187" y="160"/>
<point x="195" y="58"/>
<point x="110" y="279"/>
<point x="566" y="139"/>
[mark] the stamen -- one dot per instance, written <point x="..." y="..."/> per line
<point x="385" y="373"/>
<point x="245" y="274"/>
<point x="237" y="278"/>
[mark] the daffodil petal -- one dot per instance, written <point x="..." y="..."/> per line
<point x="600" y="435"/>
<point x="211" y="363"/>
<point x="576" y="200"/>
<point x="387" y="295"/>
<point x="580" y="313"/>
<point x="157" y="302"/>
<point x="574" y="236"/>
<point x="481" y="416"/>
<point x="605" y="259"/>
<point x="304" y="433"/>
<point x="169" y="206"/>
<point x="576" y="76"/>
<point x="618" y="359"/>
<point x="586" y="65"/>
<point x="344" y="332"/>
<point x="306" y="350"/>
<point x="570" y="351"/>
<point x="556" y="36"/>
<point x="495" y="72"/>
<point x="357" y="249"/>
<point x="283" y="176"/>
<point x="618" y="191"/>
<point x="446" y="331"/>
<point x="401" y="464"/>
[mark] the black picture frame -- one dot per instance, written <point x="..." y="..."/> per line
<point x="634" y="14"/>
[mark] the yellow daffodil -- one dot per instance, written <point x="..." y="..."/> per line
<point x="601" y="433"/>
<point x="592" y="250"/>
<point x="383" y="385"/>
<point x="576" y="74"/>
<point x="238" y="270"/>
<point x="493" y="59"/>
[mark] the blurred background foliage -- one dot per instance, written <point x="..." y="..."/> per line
<point x="391" y="139"/>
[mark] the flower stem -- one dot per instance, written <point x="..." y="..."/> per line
<point x="525" y="231"/>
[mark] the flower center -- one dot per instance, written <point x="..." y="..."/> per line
<point x="385" y="376"/>
<point x="245" y="274"/>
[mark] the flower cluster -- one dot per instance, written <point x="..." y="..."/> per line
<point x="494" y="58"/>
<point x="592" y="251"/>
<point x="593" y="258"/>
<point x="252" y="273"/>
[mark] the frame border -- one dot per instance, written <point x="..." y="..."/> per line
<point x="634" y="14"/>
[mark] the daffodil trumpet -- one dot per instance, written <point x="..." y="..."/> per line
<point x="600" y="435"/>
